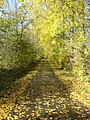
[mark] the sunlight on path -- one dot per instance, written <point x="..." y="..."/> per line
<point x="43" y="97"/>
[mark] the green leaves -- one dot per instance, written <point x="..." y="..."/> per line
<point x="21" y="0"/>
<point x="1" y="3"/>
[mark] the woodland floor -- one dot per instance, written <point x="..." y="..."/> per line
<point x="41" y="96"/>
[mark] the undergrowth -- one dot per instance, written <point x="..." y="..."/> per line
<point x="79" y="88"/>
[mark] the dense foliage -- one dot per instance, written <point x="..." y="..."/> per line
<point x="18" y="44"/>
<point x="62" y="28"/>
<point x="57" y="29"/>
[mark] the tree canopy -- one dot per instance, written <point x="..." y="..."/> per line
<point x="56" y="29"/>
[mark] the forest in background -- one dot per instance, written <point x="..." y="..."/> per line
<point x="57" y="30"/>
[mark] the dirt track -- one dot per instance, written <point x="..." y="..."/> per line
<point x="46" y="98"/>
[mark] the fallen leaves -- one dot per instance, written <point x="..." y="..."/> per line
<point x="78" y="89"/>
<point x="45" y="98"/>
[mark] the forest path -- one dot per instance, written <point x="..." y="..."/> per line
<point x="45" y="98"/>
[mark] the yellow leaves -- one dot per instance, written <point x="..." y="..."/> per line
<point x="1" y="2"/>
<point x="37" y="113"/>
<point x="16" y="117"/>
<point x="21" y="0"/>
<point x="1" y="118"/>
<point x="50" y="96"/>
<point x="16" y="110"/>
<point x="39" y="1"/>
<point x="9" y="118"/>
<point x="27" y="115"/>
<point x="86" y="51"/>
<point x="78" y="89"/>
<point x="1" y="111"/>
<point x="6" y="108"/>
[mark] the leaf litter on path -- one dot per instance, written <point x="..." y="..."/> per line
<point x="42" y="96"/>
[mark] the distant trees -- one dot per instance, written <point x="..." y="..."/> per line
<point x="61" y="32"/>
<point x="17" y="42"/>
<point x="55" y="29"/>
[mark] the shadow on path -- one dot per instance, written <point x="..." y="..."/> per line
<point x="46" y="98"/>
<point x="9" y="76"/>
